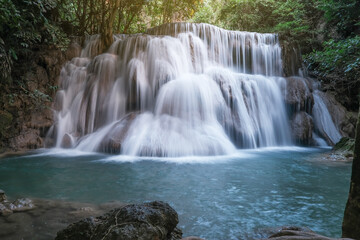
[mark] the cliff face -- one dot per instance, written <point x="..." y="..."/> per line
<point x="351" y="222"/>
<point x="26" y="100"/>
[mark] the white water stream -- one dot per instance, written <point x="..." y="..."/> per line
<point x="179" y="90"/>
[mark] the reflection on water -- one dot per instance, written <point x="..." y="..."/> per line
<point x="228" y="197"/>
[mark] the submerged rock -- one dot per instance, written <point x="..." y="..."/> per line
<point x="2" y="195"/>
<point x="4" y="210"/>
<point x="23" y="204"/>
<point x="154" y="220"/>
<point x="19" y="205"/>
<point x="298" y="233"/>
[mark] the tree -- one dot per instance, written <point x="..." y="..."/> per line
<point x="351" y="221"/>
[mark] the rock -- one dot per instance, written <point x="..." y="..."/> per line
<point x="23" y="204"/>
<point x="112" y="142"/>
<point x="298" y="95"/>
<point x="19" y="205"/>
<point x="302" y="128"/>
<point x="66" y="141"/>
<point x="291" y="56"/>
<point x="343" y="151"/>
<point x="351" y="221"/>
<point x="192" y="238"/>
<point x="154" y="220"/>
<point x="345" y="145"/>
<point x="27" y="139"/>
<point x="4" y="210"/>
<point x="5" y="205"/>
<point x="2" y="196"/>
<point x="297" y="233"/>
<point x="74" y="50"/>
<point x="25" y="116"/>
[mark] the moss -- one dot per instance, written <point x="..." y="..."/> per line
<point x="5" y="122"/>
<point x="345" y="144"/>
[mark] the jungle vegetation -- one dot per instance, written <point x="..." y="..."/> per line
<point x="327" y="31"/>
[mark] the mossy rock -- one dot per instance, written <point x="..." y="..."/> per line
<point x="5" y="121"/>
<point x="345" y="144"/>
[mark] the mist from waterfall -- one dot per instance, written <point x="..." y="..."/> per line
<point x="178" y="90"/>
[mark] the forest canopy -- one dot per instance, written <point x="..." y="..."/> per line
<point x="47" y="20"/>
<point x="326" y="30"/>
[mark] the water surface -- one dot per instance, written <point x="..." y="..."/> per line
<point x="228" y="197"/>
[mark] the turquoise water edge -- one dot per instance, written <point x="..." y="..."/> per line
<point x="224" y="197"/>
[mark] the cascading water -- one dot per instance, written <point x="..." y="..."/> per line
<point x="180" y="89"/>
<point x="323" y="122"/>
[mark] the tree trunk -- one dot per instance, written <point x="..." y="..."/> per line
<point x="107" y="31"/>
<point x="351" y="221"/>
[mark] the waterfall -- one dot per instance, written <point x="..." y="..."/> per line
<point x="180" y="89"/>
<point x="323" y="121"/>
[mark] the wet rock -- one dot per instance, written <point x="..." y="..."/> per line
<point x="298" y="95"/>
<point x="4" y="210"/>
<point x="192" y="238"/>
<point x="5" y="206"/>
<point x="291" y="56"/>
<point x="66" y="141"/>
<point x="343" y="151"/>
<point x="19" y="205"/>
<point x="302" y="128"/>
<point x="112" y="142"/>
<point x="297" y="233"/>
<point x="154" y="220"/>
<point x="23" y="204"/>
<point x="2" y="195"/>
<point x="345" y="146"/>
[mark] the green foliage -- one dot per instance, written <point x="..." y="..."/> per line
<point x="24" y="24"/>
<point x="39" y="97"/>
<point x="337" y="56"/>
<point x="344" y="14"/>
<point x="288" y="17"/>
<point x="291" y="18"/>
<point x="127" y="16"/>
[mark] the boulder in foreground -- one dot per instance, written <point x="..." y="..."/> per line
<point x="154" y="220"/>
<point x="298" y="233"/>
